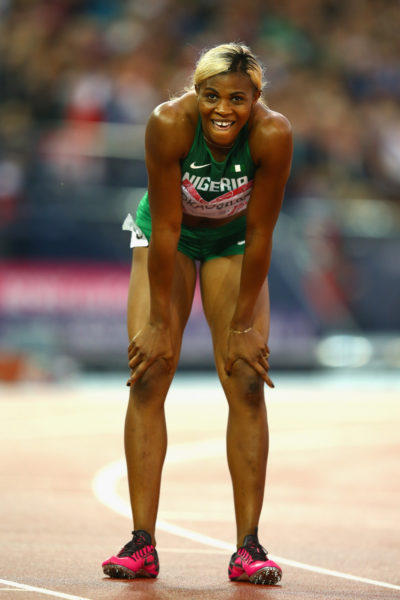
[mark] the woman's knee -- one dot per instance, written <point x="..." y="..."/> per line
<point x="244" y="385"/>
<point x="153" y="385"/>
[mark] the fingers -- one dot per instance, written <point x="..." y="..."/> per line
<point x="135" y="360"/>
<point x="138" y="369"/>
<point x="228" y="366"/>
<point x="137" y="373"/>
<point x="261" y="367"/>
<point x="139" y="366"/>
<point x="136" y="363"/>
<point x="262" y="370"/>
<point x="146" y="347"/>
<point x="263" y="361"/>
<point x="268" y="381"/>
<point x="132" y="348"/>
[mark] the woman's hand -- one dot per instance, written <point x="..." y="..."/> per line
<point x="150" y="344"/>
<point x="250" y="346"/>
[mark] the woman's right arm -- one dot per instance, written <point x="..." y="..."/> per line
<point x="165" y="145"/>
<point x="164" y="184"/>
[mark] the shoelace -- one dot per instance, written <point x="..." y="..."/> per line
<point x="137" y="542"/>
<point x="256" y="551"/>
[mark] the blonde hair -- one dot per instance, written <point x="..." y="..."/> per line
<point x="229" y="58"/>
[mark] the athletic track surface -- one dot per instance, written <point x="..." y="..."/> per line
<point x="331" y="516"/>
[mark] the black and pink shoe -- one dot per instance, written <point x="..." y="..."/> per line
<point x="250" y="563"/>
<point x="138" y="558"/>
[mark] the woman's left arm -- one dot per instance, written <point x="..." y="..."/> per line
<point x="272" y="151"/>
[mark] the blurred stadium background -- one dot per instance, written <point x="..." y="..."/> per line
<point x="78" y="80"/>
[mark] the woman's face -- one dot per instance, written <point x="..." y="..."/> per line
<point x="225" y="104"/>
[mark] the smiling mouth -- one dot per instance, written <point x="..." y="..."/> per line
<point x="222" y="125"/>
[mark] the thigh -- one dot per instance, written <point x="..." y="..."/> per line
<point x="220" y="280"/>
<point x="181" y="298"/>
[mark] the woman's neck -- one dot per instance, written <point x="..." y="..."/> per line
<point x="217" y="146"/>
<point x="219" y="152"/>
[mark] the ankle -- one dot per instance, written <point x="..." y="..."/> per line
<point x="150" y="532"/>
<point x="241" y="538"/>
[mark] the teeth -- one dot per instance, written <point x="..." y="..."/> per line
<point x="223" y="123"/>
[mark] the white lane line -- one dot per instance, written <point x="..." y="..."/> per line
<point x="104" y="486"/>
<point x="30" y="588"/>
<point x="177" y="453"/>
<point x="209" y="541"/>
<point x="210" y="551"/>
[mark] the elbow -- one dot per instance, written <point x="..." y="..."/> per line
<point x="259" y="250"/>
<point x="259" y="239"/>
<point x="167" y="225"/>
<point x="166" y="232"/>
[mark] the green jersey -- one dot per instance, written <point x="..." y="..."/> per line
<point x="216" y="189"/>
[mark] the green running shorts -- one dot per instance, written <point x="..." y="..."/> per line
<point x="201" y="243"/>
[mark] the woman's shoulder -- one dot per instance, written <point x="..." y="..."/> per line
<point x="266" y="121"/>
<point x="269" y="131"/>
<point x="174" y="122"/>
<point x="181" y="112"/>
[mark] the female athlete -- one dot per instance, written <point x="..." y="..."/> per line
<point x="217" y="159"/>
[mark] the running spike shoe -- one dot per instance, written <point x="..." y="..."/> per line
<point x="138" y="558"/>
<point x="250" y="563"/>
